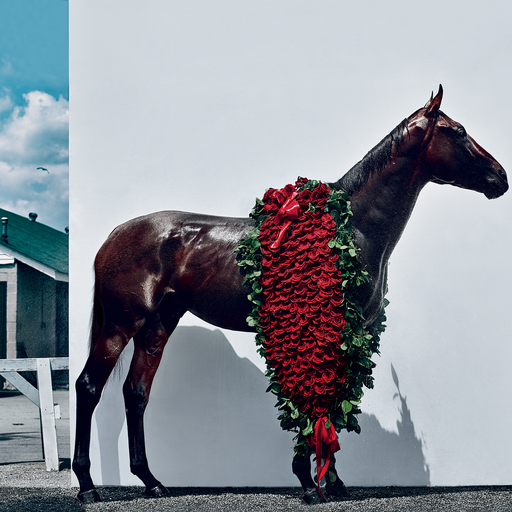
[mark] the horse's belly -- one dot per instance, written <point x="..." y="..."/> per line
<point x="212" y="288"/>
<point x="226" y="307"/>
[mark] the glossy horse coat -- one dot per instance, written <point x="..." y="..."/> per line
<point x="153" y="269"/>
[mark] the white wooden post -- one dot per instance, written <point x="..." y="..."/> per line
<point x="49" y="431"/>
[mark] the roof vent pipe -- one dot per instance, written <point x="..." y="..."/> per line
<point x="5" y="220"/>
<point x="32" y="216"/>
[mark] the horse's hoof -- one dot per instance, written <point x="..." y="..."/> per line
<point x="312" y="497"/>
<point x="335" y="487"/>
<point x="158" y="491"/>
<point x="90" y="496"/>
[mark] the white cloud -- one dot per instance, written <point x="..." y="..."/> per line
<point x="36" y="135"/>
<point x="5" y="103"/>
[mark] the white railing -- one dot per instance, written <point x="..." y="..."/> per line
<point x="42" y="396"/>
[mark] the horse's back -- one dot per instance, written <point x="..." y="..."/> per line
<point x="187" y="258"/>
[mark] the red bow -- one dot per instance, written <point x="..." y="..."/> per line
<point x="289" y="211"/>
<point x="321" y="435"/>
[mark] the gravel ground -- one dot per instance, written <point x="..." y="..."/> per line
<point x="28" y="487"/>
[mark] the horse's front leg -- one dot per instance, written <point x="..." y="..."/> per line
<point x="334" y="486"/>
<point x="301" y="467"/>
<point x="149" y="345"/>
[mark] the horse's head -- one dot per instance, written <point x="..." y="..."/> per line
<point x="450" y="156"/>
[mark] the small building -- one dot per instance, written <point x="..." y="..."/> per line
<point x="34" y="288"/>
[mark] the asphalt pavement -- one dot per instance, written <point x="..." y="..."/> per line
<point x="20" y="430"/>
<point x="26" y="486"/>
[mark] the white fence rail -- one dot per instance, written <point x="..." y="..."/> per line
<point x="42" y="396"/>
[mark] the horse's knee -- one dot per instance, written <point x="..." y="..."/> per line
<point x="301" y="466"/>
<point x="135" y="398"/>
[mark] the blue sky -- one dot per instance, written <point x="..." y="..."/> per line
<point x="34" y="109"/>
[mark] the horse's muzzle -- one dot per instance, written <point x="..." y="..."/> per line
<point x="498" y="184"/>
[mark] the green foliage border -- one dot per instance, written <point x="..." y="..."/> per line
<point x="356" y="341"/>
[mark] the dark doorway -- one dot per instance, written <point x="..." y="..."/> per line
<point x="3" y="319"/>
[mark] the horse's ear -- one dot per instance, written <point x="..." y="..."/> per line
<point x="433" y="105"/>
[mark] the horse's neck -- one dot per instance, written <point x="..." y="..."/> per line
<point x="382" y="206"/>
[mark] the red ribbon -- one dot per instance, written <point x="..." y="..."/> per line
<point x="321" y="435"/>
<point x="289" y="211"/>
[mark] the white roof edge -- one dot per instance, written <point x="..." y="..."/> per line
<point x="45" y="269"/>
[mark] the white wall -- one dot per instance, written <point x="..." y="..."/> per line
<point x="201" y="106"/>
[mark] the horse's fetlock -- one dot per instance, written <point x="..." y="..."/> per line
<point x="81" y="465"/>
<point x="139" y="469"/>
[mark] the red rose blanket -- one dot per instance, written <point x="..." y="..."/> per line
<point x="301" y="266"/>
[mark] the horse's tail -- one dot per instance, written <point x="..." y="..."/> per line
<point x="96" y="322"/>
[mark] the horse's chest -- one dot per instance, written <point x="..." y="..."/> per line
<point x="371" y="294"/>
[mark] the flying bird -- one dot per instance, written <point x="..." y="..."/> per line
<point x="43" y="169"/>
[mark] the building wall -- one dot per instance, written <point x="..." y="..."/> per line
<point x="41" y="314"/>
<point x="8" y="274"/>
<point x="62" y="319"/>
<point x="3" y="318"/>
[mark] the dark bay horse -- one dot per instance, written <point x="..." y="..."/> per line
<point x="153" y="269"/>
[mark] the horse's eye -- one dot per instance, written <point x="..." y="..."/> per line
<point x="461" y="130"/>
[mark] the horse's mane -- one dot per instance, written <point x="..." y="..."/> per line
<point x="374" y="161"/>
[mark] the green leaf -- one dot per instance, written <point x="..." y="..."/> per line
<point x="275" y="389"/>
<point x="367" y="363"/>
<point x="346" y="406"/>
<point x="257" y="288"/>
<point x="308" y="430"/>
<point x="251" y="321"/>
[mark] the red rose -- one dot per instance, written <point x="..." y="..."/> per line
<point x="301" y="182"/>
<point x="304" y="198"/>
<point x="288" y="191"/>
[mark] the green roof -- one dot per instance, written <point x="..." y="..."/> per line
<point x="37" y="241"/>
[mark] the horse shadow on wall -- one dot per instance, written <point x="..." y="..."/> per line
<point x="210" y="423"/>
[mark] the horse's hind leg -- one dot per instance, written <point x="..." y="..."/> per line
<point x="149" y="346"/>
<point x="89" y="385"/>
